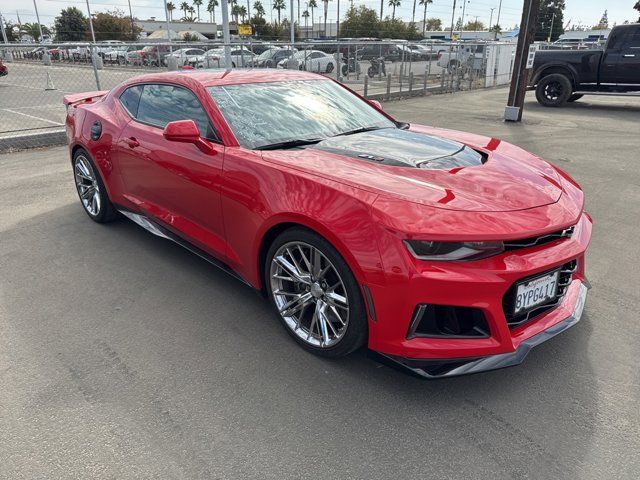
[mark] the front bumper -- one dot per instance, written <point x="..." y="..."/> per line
<point x="433" y="369"/>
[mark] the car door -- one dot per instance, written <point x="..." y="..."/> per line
<point x="628" y="70"/>
<point x="174" y="183"/>
<point x="612" y="57"/>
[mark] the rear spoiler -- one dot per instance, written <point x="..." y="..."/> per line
<point x="86" y="97"/>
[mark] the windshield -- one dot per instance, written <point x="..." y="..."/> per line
<point x="262" y="114"/>
<point x="268" y="54"/>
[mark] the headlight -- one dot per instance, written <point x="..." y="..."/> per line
<point x="453" y="251"/>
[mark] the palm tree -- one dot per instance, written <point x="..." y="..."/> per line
<point x="312" y="5"/>
<point x="236" y="11"/>
<point x="279" y="5"/>
<point x="243" y="12"/>
<point x="326" y="10"/>
<point x="305" y="15"/>
<point x="184" y="6"/>
<point x="259" y="9"/>
<point x="394" y="4"/>
<point x="424" y="17"/>
<point x="170" y="8"/>
<point x="197" y="3"/>
<point x="211" y="8"/>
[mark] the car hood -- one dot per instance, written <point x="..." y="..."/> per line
<point x="439" y="168"/>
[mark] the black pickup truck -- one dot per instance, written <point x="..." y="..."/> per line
<point x="561" y="76"/>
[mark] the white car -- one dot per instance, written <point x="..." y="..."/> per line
<point x="118" y="54"/>
<point x="240" y="57"/>
<point x="187" y="56"/>
<point x="312" y="61"/>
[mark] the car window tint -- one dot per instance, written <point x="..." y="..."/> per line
<point x="130" y="99"/>
<point x="161" y="104"/>
<point x="632" y="41"/>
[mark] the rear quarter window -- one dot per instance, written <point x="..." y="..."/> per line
<point x="130" y="99"/>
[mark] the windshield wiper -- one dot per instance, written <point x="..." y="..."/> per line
<point x="358" y="130"/>
<point x="289" y="144"/>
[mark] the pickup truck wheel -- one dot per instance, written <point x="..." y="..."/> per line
<point x="553" y="90"/>
<point x="574" y="97"/>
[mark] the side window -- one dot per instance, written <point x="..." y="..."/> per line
<point x="130" y="99"/>
<point x="161" y="104"/>
<point x="632" y="42"/>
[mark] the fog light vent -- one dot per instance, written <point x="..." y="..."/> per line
<point x="448" y="321"/>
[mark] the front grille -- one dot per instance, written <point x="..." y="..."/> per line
<point x="541" y="240"/>
<point x="564" y="280"/>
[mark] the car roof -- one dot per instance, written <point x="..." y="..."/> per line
<point x="219" y="77"/>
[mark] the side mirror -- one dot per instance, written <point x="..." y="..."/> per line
<point x="186" y="131"/>
<point x="376" y="104"/>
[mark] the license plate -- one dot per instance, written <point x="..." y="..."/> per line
<point x="536" y="291"/>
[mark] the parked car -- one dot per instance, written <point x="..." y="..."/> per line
<point x="150" y="55"/>
<point x="214" y="58"/>
<point x="4" y="71"/>
<point x="412" y="53"/>
<point x="118" y="55"/>
<point x="462" y="58"/>
<point x="561" y="76"/>
<point x="391" y="53"/>
<point x="312" y="61"/>
<point x="272" y="57"/>
<point x="187" y="56"/>
<point x="447" y="252"/>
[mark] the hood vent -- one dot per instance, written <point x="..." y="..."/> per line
<point x="403" y="148"/>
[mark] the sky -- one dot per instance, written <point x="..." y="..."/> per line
<point x="582" y="12"/>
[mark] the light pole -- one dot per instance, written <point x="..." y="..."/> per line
<point x="491" y="18"/>
<point x="495" y="37"/>
<point x="453" y="19"/>
<point x="93" y="34"/>
<point x="464" y="8"/>
<point x="226" y="36"/>
<point x="35" y="5"/>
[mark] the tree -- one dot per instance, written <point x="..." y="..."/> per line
<point x="243" y="13"/>
<point x="637" y="7"/>
<point x="211" y="8"/>
<point x="312" y="5"/>
<point x="184" y="6"/>
<point x="114" y="25"/>
<point x="424" y="16"/>
<point x="604" y="22"/>
<point x="396" y="28"/>
<point x="474" y="26"/>
<point x="170" y="8"/>
<point x="394" y="4"/>
<point x="496" y="29"/>
<point x="34" y="30"/>
<point x="236" y="11"/>
<point x="71" y="25"/>
<point x="258" y="8"/>
<point x="359" y="22"/>
<point x="190" y="37"/>
<point x="305" y="15"/>
<point x="551" y="12"/>
<point x="433" y="24"/>
<point x="198" y="3"/>
<point x="279" y="5"/>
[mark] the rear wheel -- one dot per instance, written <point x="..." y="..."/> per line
<point x="315" y="294"/>
<point x="330" y="67"/>
<point x="91" y="189"/>
<point x="554" y="90"/>
<point x="371" y="72"/>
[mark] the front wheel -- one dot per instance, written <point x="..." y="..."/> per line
<point x="554" y="90"/>
<point x="315" y="294"/>
<point x="330" y="67"/>
<point x="371" y="72"/>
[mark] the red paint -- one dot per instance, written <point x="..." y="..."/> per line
<point x="225" y="199"/>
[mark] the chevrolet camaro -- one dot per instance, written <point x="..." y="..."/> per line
<point x="445" y="252"/>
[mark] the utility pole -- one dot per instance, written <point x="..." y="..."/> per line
<point x="491" y="18"/>
<point x="518" y="89"/>
<point x="464" y="8"/>
<point x="35" y="5"/>
<point x="495" y="37"/>
<point x="93" y="34"/>
<point x="453" y="18"/>
<point x="292" y="23"/>
<point x="553" y="18"/>
<point x="166" y="17"/>
<point x="226" y="36"/>
<point x="338" y="22"/>
<point x="131" y="17"/>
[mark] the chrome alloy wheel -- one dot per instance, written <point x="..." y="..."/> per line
<point x="309" y="294"/>
<point x="87" y="185"/>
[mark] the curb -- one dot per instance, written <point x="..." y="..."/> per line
<point x="50" y="138"/>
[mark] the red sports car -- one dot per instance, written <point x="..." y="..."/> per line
<point x="446" y="252"/>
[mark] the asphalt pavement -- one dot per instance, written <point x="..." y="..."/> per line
<point x="124" y="356"/>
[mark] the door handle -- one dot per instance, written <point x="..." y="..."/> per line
<point x="132" y="142"/>
<point x="629" y="55"/>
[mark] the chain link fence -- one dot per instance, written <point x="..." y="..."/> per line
<point x="39" y="76"/>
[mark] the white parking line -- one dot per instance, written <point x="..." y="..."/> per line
<point x="33" y="116"/>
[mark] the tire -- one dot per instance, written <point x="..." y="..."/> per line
<point x="83" y="165"/>
<point x="345" y="70"/>
<point x="371" y="72"/>
<point x="574" y="97"/>
<point x="345" y="329"/>
<point x="330" y="67"/>
<point x="553" y="90"/>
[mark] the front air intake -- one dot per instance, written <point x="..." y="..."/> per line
<point x="447" y="321"/>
